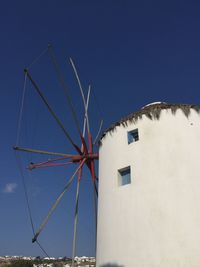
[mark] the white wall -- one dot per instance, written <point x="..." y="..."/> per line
<point x="155" y="220"/>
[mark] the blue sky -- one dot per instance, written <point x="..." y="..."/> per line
<point x="132" y="52"/>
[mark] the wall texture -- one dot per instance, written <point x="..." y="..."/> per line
<point x="155" y="220"/>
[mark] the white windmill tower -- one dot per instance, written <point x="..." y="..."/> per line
<point x="149" y="189"/>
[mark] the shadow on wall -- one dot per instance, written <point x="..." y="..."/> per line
<point x="111" y="265"/>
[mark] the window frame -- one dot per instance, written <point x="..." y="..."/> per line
<point x="122" y="179"/>
<point x="133" y="136"/>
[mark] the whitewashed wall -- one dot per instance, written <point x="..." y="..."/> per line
<point x="155" y="220"/>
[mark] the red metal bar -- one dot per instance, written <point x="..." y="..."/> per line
<point x="85" y="150"/>
<point x="92" y="169"/>
<point x="53" y="160"/>
<point x="80" y="173"/>
<point x="38" y="166"/>
<point x="91" y="162"/>
<point x="90" y="143"/>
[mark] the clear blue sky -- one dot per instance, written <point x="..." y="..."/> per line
<point x="132" y="52"/>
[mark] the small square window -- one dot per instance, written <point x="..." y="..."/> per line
<point x="124" y="176"/>
<point x="133" y="136"/>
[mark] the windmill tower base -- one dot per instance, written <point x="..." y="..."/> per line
<point x="154" y="219"/>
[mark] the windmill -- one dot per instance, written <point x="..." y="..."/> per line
<point x="84" y="156"/>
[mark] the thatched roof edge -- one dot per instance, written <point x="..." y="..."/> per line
<point x="152" y="112"/>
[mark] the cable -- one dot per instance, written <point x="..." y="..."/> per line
<point x="18" y="160"/>
<point x="51" y="111"/>
<point x="25" y="190"/>
<point x="101" y="116"/>
<point x="64" y="86"/>
<point x="21" y="110"/>
<point x="98" y="133"/>
<point x="53" y="207"/>
<point x="44" y="251"/>
<point x="37" y="58"/>
<point x="98" y="106"/>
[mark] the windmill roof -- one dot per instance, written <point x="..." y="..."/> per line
<point x="152" y="111"/>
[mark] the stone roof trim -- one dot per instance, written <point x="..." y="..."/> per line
<point x="152" y="112"/>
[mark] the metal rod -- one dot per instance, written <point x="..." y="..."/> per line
<point x="95" y="188"/>
<point x="51" y="111"/>
<point x="75" y="222"/>
<point x="81" y="90"/>
<point x="78" y="184"/>
<point x="29" y="150"/>
<point x="56" y="203"/>
<point x="95" y="211"/>
<point x="98" y="133"/>
<point x="86" y="110"/>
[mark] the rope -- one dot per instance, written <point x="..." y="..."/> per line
<point x="35" y="122"/>
<point x="18" y="160"/>
<point x="21" y="110"/>
<point x="98" y="105"/>
<point x="25" y="191"/>
<point x="37" y="58"/>
<point x="64" y="86"/>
